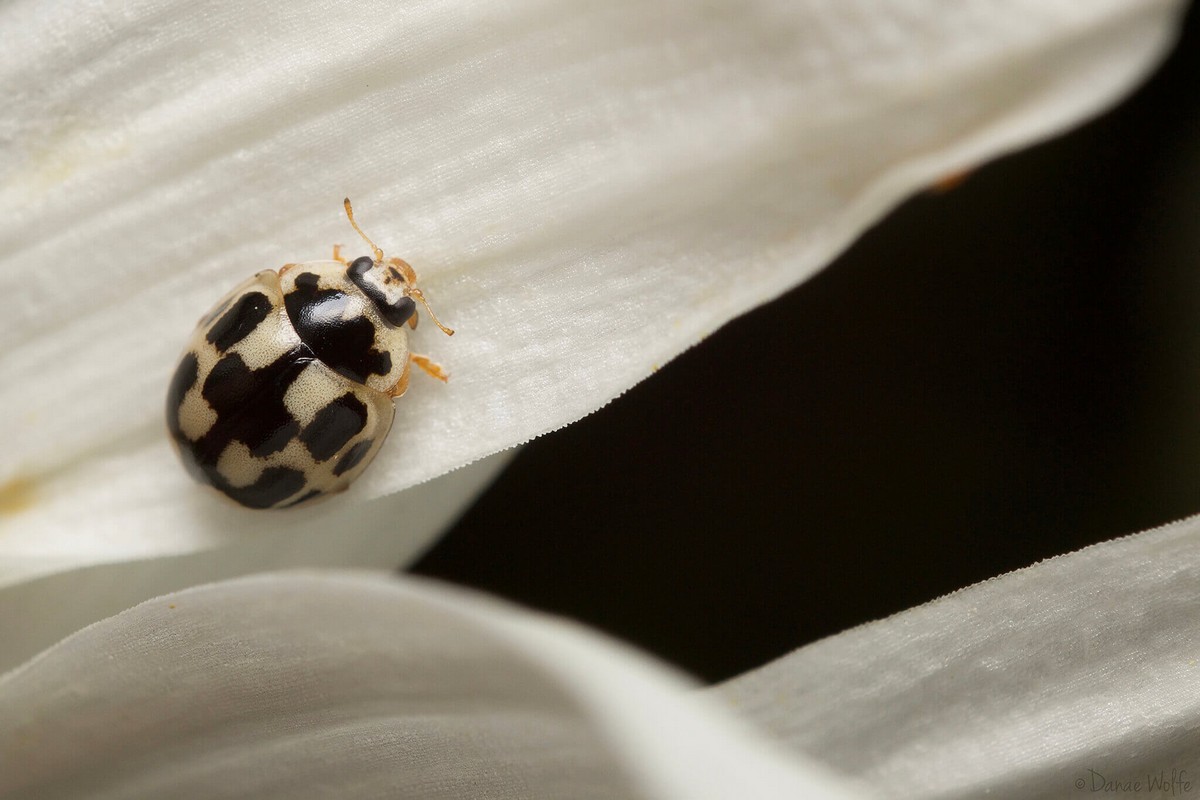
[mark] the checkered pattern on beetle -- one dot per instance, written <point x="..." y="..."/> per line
<point x="284" y="393"/>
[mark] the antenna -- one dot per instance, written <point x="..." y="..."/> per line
<point x="376" y="250"/>
<point x="415" y="292"/>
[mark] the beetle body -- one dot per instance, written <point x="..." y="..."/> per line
<point x="285" y="391"/>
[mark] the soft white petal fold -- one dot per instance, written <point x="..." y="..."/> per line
<point x="36" y="612"/>
<point x="587" y="189"/>
<point x="361" y="686"/>
<point x="1069" y="678"/>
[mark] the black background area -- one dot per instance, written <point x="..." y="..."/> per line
<point x="994" y="375"/>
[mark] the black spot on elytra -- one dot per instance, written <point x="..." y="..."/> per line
<point x="249" y="405"/>
<point x="395" y="314"/>
<point x="273" y="486"/>
<point x="275" y="441"/>
<point x="345" y="345"/>
<point x="250" y="409"/>
<point x="237" y="323"/>
<point x="334" y="426"/>
<point x="199" y="472"/>
<point x="215" y="312"/>
<point x="183" y="380"/>
<point x="352" y="457"/>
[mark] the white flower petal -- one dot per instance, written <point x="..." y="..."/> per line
<point x="586" y="189"/>
<point x="1040" y="683"/>
<point x="386" y="532"/>
<point x="356" y="686"/>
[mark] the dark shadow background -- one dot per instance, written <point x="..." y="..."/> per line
<point x="992" y="376"/>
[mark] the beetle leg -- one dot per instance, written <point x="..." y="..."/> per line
<point x="412" y="321"/>
<point x="337" y="254"/>
<point x="432" y="368"/>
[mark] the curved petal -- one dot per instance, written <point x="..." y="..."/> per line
<point x="36" y="612"/>
<point x="587" y="190"/>
<point x="1048" y="682"/>
<point x="354" y="685"/>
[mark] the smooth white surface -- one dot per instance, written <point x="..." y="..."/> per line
<point x="1043" y="683"/>
<point x="585" y="189"/>
<point x="45" y="600"/>
<point x="355" y="685"/>
<point x="1047" y="682"/>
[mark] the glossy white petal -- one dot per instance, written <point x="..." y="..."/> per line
<point x="1044" y="683"/>
<point x="587" y="189"/>
<point x="360" y="686"/>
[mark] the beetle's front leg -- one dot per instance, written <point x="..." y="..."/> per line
<point x="431" y="368"/>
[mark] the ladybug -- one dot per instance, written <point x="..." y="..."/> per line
<point x="284" y="393"/>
